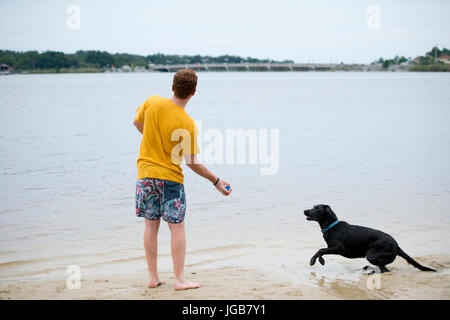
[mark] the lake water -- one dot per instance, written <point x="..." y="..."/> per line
<point x="374" y="146"/>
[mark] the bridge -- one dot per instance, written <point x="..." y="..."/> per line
<point x="245" y="67"/>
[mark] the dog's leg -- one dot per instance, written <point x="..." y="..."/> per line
<point x="319" y="255"/>
<point x="383" y="269"/>
<point x="370" y="269"/>
<point x="313" y="260"/>
<point x="380" y="257"/>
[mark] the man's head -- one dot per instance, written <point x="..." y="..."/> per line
<point x="184" y="83"/>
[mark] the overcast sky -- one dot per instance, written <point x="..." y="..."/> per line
<point x="318" y="31"/>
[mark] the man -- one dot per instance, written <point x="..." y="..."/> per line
<point x="169" y="134"/>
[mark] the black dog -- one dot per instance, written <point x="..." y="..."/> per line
<point x="353" y="241"/>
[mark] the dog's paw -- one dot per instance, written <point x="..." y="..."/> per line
<point x="312" y="261"/>
<point x="322" y="262"/>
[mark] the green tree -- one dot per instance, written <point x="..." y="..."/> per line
<point x="51" y="60"/>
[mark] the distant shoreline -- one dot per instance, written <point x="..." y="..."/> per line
<point x="256" y="67"/>
<point x="101" y="61"/>
<point x="40" y="72"/>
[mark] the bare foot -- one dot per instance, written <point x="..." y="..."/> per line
<point x="155" y="283"/>
<point x="185" y="285"/>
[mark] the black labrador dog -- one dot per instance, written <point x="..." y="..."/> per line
<point x="353" y="241"/>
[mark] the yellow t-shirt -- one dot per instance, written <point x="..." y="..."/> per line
<point x="169" y="132"/>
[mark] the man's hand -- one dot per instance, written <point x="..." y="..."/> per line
<point x="220" y="186"/>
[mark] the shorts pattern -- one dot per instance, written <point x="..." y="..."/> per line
<point x="156" y="198"/>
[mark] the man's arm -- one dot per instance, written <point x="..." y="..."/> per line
<point x="139" y="126"/>
<point x="193" y="163"/>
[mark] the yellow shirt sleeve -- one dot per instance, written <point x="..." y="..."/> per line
<point x="194" y="143"/>
<point x="140" y="112"/>
<point x="193" y="148"/>
<point x="189" y="144"/>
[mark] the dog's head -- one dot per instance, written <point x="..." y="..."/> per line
<point x="320" y="213"/>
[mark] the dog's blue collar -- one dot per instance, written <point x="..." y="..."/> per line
<point x="330" y="226"/>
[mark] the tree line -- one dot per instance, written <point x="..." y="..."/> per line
<point x="424" y="62"/>
<point x="34" y="60"/>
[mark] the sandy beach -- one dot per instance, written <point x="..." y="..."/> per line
<point x="404" y="282"/>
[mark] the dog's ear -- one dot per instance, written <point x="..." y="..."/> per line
<point x="328" y="209"/>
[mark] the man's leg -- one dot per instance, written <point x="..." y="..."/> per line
<point x="178" y="247"/>
<point x="151" y="251"/>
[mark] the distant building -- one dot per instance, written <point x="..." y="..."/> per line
<point x="417" y="59"/>
<point x="444" y="59"/>
<point x="140" y="69"/>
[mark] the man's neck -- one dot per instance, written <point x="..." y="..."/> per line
<point x="180" y="102"/>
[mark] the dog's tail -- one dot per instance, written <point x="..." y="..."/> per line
<point x="413" y="262"/>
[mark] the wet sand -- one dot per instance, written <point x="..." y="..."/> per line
<point x="404" y="282"/>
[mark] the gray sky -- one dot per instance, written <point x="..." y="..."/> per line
<point x="318" y="31"/>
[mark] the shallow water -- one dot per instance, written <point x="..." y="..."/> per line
<point x="374" y="146"/>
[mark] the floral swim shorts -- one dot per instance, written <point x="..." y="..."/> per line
<point x="157" y="198"/>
